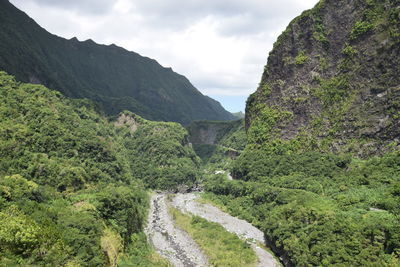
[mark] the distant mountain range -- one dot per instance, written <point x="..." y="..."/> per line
<point x="114" y="78"/>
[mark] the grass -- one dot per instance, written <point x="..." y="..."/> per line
<point x="221" y="247"/>
<point x="141" y="253"/>
<point x="111" y="243"/>
<point x="211" y="199"/>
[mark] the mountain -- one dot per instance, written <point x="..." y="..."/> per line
<point x="113" y="77"/>
<point x="320" y="172"/>
<point x="332" y="80"/>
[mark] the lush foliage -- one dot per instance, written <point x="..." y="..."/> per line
<point x="67" y="192"/>
<point x="320" y="173"/>
<point x="301" y="58"/>
<point x="140" y="253"/>
<point x="318" y="208"/>
<point x="159" y="153"/>
<point x="54" y="141"/>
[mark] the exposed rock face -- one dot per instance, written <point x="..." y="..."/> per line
<point x="205" y="133"/>
<point x="332" y="80"/>
<point x="228" y="134"/>
<point x="128" y="120"/>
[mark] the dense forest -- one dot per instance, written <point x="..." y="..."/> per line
<point x="318" y="209"/>
<point x="72" y="183"/>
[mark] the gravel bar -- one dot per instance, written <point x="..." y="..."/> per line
<point x="187" y="204"/>
<point x="168" y="240"/>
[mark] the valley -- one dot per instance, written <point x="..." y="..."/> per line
<point x="109" y="159"/>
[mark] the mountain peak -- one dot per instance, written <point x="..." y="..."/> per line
<point x="116" y="79"/>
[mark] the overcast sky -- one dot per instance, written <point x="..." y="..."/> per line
<point x="221" y="46"/>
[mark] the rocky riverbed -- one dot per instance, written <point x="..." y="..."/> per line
<point x="187" y="203"/>
<point x="179" y="248"/>
<point x="168" y="240"/>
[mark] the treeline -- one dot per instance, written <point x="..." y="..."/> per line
<point x="318" y="209"/>
<point x="159" y="152"/>
<point x="68" y="192"/>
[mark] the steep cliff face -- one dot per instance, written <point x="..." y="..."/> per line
<point x="332" y="81"/>
<point x="114" y="78"/>
<point x="217" y="141"/>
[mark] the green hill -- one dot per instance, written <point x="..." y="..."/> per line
<point x="114" y="78"/>
<point x="72" y="183"/>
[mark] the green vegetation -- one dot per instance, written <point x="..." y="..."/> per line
<point x="301" y="58"/>
<point x="221" y="247"/>
<point x="349" y="51"/>
<point x="318" y="207"/>
<point x="320" y="173"/>
<point x="372" y="17"/>
<point x="160" y="154"/>
<point x="263" y="127"/>
<point x="140" y="253"/>
<point x="114" y="78"/>
<point x="265" y="89"/>
<point x="361" y="28"/>
<point x="55" y="141"/>
<point x="320" y="32"/>
<point x="333" y="91"/>
<point x="67" y="192"/>
<point x="72" y="183"/>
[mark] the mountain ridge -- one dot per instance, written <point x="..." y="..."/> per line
<point x="114" y="78"/>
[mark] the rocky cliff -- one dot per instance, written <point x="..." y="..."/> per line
<point x="217" y="141"/>
<point x="332" y="81"/>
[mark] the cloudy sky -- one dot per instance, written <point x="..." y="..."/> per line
<point x="220" y="45"/>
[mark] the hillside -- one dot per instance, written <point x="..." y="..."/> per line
<point x="72" y="184"/>
<point x="159" y="152"/>
<point x="331" y="82"/>
<point x="113" y="77"/>
<point x="320" y="172"/>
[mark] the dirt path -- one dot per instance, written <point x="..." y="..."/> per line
<point x="169" y="241"/>
<point x="187" y="204"/>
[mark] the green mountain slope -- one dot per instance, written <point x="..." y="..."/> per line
<point x="320" y="172"/>
<point x="159" y="152"/>
<point x="72" y="184"/>
<point x="114" y="78"/>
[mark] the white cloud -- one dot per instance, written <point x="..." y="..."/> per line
<point x="220" y="45"/>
